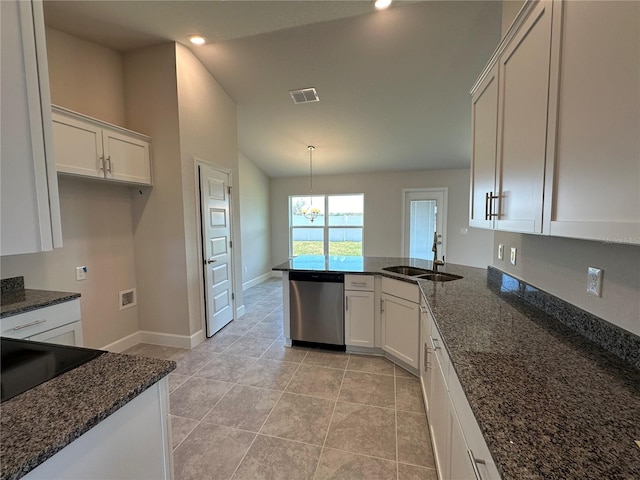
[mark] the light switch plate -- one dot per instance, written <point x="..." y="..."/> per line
<point x="514" y="250"/>
<point x="501" y="251"/>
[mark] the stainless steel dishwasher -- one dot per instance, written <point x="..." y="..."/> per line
<point x="316" y="303"/>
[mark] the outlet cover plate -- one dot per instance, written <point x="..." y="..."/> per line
<point x="81" y="273"/>
<point x="501" y="251"/>
<point x="514" y="251"/>
<point x="594" y="281"/>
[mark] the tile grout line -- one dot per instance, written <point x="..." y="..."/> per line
<point x="395" y="399"/>
<point x="326" y="435"/>
<point x="269" y="415"/>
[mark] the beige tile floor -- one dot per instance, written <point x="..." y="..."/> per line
<point x="244" y="406"/>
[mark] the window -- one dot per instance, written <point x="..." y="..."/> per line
<point x="337" y="229"/>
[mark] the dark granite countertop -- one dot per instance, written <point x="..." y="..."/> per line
<point x="20" y="301"/>
<point x="42" y="421"/>
<point x="551" y="404"/>
<point x="353" y="265"/>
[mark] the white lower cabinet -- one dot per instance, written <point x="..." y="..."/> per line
<point x="400" y="328"/>
<point x="134" y="443"/>
<point x="459" y="448"/>
<point x="60" y="324"/>
<point x="358" y="318"/>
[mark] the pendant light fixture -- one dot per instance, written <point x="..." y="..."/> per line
<point x="312" y="212"/>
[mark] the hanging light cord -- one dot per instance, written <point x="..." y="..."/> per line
<point x="311" y="149"/>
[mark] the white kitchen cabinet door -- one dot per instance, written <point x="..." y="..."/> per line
<point x="126" y="157"/>
<point x="461" y="466"/>
<point x="484" y="114"/>
<point x="70" y="334"/>
<point x="78" y="147"/>
<point x="88" y="147"/>
<point x="400" y="328"/>
<point x="425" y="355"/>
<point x="359" y="318"/>
<point x="595" y="192"/>
<point x="439" y="420"/>
<point x="522" y="124"/>
<point x="29" y="203"/>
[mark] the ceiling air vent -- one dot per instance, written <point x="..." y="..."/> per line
<point x="305" y="95"/>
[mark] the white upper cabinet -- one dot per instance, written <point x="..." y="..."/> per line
<point x="30" y="206"/>
<point x="509" y="111"/>
<point x="522" y="124"/>
<point x="91" y="148"/>
<point x="567" y="158"/>
<point x="484" y="114"/>
<point x="593" y="190"/>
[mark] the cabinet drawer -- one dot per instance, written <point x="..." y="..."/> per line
<point x="359" y="282"/>
<point x="398" y="288"/>
<point x="37" y="321"/>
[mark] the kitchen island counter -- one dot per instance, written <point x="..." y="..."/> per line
<point x="42" y="421"/>
<point x="550" y="403"/>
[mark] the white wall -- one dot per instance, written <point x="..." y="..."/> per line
<point x="97" y="232"/>
<point x="86" y="77"/>
<point x="254" y="220"/>
<point x="97" y="225"/>
<point x="559" y="266"/>
<point x="383" y="212"/>
<point x="158" y="215"/>
<point x="208" y="132"/>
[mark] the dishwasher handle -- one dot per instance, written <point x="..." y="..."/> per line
<point x="316" y="277"/>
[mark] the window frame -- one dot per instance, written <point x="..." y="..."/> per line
<point x="325" y="227"/>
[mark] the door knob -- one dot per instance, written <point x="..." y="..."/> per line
<point x="211" y="260"/>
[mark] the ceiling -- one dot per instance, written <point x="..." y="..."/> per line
<point x="393" y="85"/>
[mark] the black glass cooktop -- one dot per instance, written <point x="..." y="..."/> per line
<point x="26" y="364"/>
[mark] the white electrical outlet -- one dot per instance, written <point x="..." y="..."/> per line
<point x="81" y="273"/>
<point x="501" y="252"/>
<point x="464" y="231"/>
<point x="514" y="250"/>
<point x="594" y="281"/>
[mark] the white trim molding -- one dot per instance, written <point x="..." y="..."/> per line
<point x="156" y="338"/>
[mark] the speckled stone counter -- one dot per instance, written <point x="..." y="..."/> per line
<point x="550" y="403"/>
<point x="42" y="421"/>
<point x="16" y="299"/>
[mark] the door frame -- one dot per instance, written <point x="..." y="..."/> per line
<point x="202" y="274"/>
<point x="445" y="191"/>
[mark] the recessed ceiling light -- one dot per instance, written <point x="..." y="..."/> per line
<point x="197" y="39"/>
<point x="382" y="4"/>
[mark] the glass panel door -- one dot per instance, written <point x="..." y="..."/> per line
<point x="424" y="216"/>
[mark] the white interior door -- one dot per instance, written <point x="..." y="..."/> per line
<point x="425" y="213"/>
<point x="216" y="247"/>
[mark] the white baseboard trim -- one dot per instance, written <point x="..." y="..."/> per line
<point x="156" y="338"/>
<point x="124" y="343"/>
<point x="240" y="311"/>
<point x="262" y="278"/>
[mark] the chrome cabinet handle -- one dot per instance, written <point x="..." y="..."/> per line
<point x="346" y="305"/>
<point x="101" y="167"/>
<point x="474" y="463"/>
<point x="433" y="343"/>
<point x="27" y="325"/>
<point x="108" y="161"/>
<point x="488" y="205"/>
<point x="426" y="362"/>
<point x="381" y="306"/>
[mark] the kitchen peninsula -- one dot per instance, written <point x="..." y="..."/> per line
<point x="548" y="402"/>
<point x="107" y="418"/>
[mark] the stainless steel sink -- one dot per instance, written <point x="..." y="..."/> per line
<point x="407" y="270"/>
<point x="440" y="277"/>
